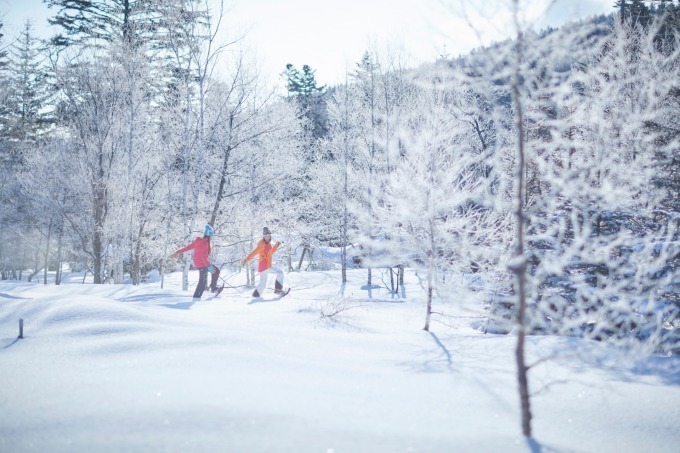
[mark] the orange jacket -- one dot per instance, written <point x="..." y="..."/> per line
<point x="265" y="252"/>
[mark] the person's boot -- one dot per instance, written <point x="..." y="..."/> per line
<point x="256" y="294"/>
<point x="213" y="280"/>
<point x="278" y="287"/>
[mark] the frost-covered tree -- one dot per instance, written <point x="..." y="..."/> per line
<point x="143" y="165"/>
<point x="23" y="122"/>
<point x="333" y="183"/>
<point x="365" y="95"/>
<point x="594" y="253"/>
<point x="435" y="214"/>
<point x="605" y="232"/>
<point x="416" y="220"/>
<point x="256" y="168"/>
<point x="90" y="110"/>
<point x="271" y="176"/>
<point x="58" y="204"/>
<point x="129" y="35"/>
<point x="111" y="201"/>
<point x="361" y="148"/>
<point x="192" y="48"/>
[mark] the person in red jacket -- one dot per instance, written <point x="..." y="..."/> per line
<point x="201" y="248"/>
<point x="264" y="251"/>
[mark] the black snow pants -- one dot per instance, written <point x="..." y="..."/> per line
<point x="203" y="279"/>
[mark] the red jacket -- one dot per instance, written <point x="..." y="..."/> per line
<point x="201" y="249"/>
<point x="265" y="252"/>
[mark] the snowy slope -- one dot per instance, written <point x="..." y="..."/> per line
<point x="122" y="368"/>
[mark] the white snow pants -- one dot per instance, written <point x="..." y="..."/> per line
<point x="265" y="274"/>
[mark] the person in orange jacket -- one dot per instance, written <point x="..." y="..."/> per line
<point x="201" y="248"/>
<point x="264" y="250"/>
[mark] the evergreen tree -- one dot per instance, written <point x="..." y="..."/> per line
<point x="92" y="22"/>
<point x="293" y="80"/>
<point x="4" y="85"/>
<point x="633" y="10"/>
<point x="302" y="86"/>
<point x="28" y="93"/>
<point x="308" y="82"/>
<point x="9" y="242"/>
<point x="668" y="13"/>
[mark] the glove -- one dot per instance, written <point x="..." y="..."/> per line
<point x="243" y="262"/>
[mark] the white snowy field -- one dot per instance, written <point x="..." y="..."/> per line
<point x="111" y="368"/>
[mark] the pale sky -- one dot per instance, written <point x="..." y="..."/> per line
<point x="332" y="36"/>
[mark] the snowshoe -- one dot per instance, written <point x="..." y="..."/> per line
<point x="282" y="293"/>
<point x="217" y="291"/>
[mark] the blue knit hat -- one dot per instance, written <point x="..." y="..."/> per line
<point x="208" y="231"/>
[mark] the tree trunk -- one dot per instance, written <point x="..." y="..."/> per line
<point x="345" y="216"/>
<point x="519" y="264"/>
<point x="429" y="308"/>
<point x="223" y="175"/>
<point x="97" y="247"/>
<point x="100" y="200"/>
<point x="302" y="257"/>
<point x="185" y="275"/>
<point x="119" y="268"/>
<point x="392" y="280"/>
<point x="47" y="252"/>
<point x="36" y="266"/>
<point x="343" y="258"/>
<point x="135" y="271"/>
<point x="57" y="276"/>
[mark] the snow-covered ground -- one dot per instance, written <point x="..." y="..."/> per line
<point x="106" y="368"/>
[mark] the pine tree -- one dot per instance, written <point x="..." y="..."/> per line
<point x="633" y="10"/>
<point x="92" y="23"/>
<point x="4" y="85"/>
<point x="28" y="93"/>
<point x="293" y="80"/>
<point x="302" y="86"/>
<point x="308" y="82"/>
<point x="639" y="12"/>
<point x="668" y="13"/>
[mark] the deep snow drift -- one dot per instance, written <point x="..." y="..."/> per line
<point x="123" y="368"/>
